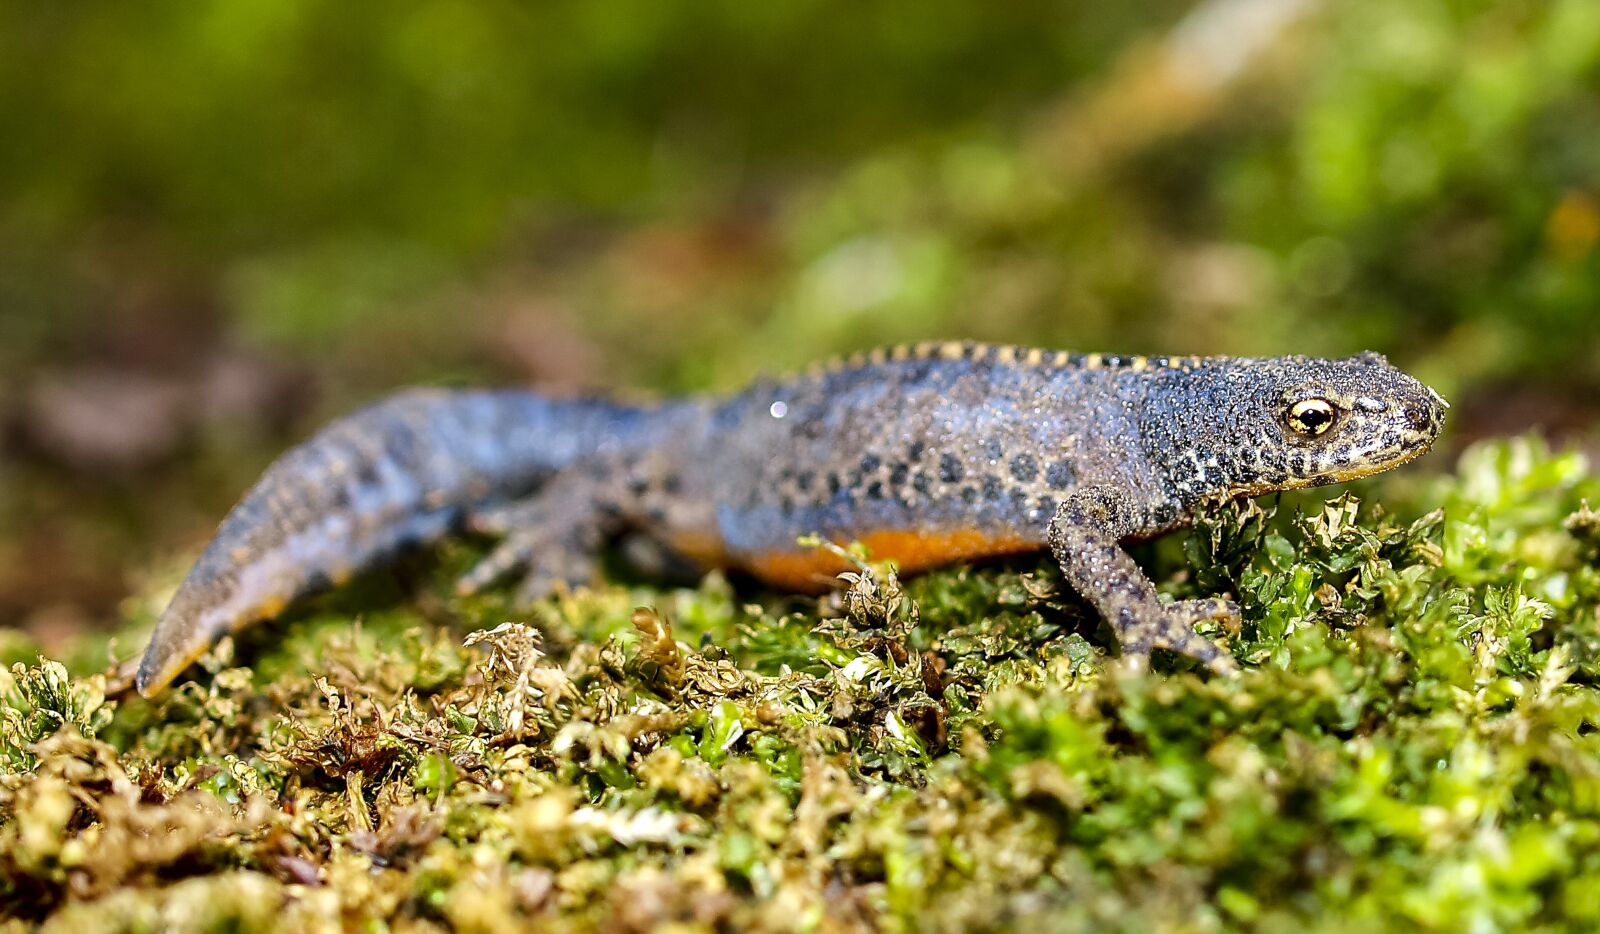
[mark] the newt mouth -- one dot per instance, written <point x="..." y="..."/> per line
<point x="1346" y="475"/>
<point x="1368" y="470"/>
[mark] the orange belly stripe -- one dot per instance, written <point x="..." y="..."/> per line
<point x="814" y="570"/>
<point x="701" y="547"/>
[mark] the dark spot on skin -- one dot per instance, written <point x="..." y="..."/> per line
<point x="898" y="473"/>
<point x="969" y="494"/>
<point x="1416" y="416"/>
<point x="875" y="490"/>
<point x="1112" y="361"/>
<point x="1060" y="475"/>
<point x="726" y="419"/>
<point x="803" y="480"/>
<point x="991" y="488"/>
<point x="870" y="464"/>
<point x="1024" y="468"/>
<point x="657" y="516"/>
<point x="1391" y="439"/>
<point x="1164" y="514"/>
<point x="400" y="448"/>
<point x="917" y="450"/>
<point x="672" y="483"/>
<point x="786" y="504"/>
<point x="1046" y="505"/>
<point x="833" y="484"/>
<point x="950" y="469"/>
<point x="921" y="483"/>
<point x="993" y="449"/>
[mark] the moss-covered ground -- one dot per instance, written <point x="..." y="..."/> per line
<point x="1411" y="745"/>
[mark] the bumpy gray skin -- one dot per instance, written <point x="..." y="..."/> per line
<point x="931" y="454"/>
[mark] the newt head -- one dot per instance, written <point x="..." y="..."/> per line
<point x="1283" y="423"/>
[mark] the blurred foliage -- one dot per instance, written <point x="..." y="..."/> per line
<point x="1413" y="745"/>
<point x="695" y="192"/>
<point x="320" y="168"/>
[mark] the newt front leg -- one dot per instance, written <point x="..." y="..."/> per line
<point x="1085" y="537"/>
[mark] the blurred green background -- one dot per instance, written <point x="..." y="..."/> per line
<point x="222" y="223"/>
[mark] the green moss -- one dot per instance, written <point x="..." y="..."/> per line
<point x="1412" y="744"/>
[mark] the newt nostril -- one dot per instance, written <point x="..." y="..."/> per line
<point x="1418" y="417"/>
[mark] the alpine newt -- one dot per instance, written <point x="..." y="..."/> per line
<point x="927" y="454"/>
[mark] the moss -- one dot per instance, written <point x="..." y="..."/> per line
<point x="1412" y="745"/>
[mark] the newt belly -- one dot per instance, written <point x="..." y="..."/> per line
<point x="815" y="570"/>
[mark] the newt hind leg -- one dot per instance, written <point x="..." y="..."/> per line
<point x="554" y="537"/>
<point x="551" y="539"/>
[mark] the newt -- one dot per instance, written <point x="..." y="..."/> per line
<point x="928" y="454"/>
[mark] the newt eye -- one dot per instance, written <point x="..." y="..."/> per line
<point x="1312" y="417"/>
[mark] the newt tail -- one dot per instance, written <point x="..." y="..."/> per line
<point x="402" y="472"/>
